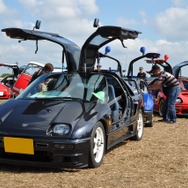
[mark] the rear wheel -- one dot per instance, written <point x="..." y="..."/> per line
<point x="140" y="127"/>
<point x="97" y="146"/>
<point x="162" y="107"/>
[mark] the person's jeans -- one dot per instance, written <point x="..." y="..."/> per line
<point x="170" y="104"/>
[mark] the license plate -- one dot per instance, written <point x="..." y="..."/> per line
<point x="19" y="145"/>
<point x="1" y="93"/>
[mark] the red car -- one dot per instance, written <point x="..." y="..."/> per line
<point x="25" y="76"/>
<point x="7" y="82"/>
<point x="180" y="72"/>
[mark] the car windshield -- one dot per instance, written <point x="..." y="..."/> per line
<point x="68" y="87"/>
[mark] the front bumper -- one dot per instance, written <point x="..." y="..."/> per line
<point x="181" y="110"/>
<point x="50" y="152"/>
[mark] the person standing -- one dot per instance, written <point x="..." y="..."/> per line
<point x="171" y="89"/>
<point x="141" y="73"/>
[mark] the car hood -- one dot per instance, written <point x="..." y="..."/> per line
<point x="34" y="117"/>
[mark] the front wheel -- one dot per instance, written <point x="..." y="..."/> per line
<point x="97" y="146"/>
<point x="139" y="127"/>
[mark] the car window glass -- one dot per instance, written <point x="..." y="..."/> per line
<point x="183" y="78"/>
<point x="183" y="72"/>
<point x="72" y="86"/>
<point x="30" y="69"/>
<point x="96" y="86"/>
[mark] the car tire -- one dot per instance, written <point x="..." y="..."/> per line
<point x="97" y="146"/>
<point x="139" y="127"/>
<point x="161" y="107"/>
<point x="150" y="124"/>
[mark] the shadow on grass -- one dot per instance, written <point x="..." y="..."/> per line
<point x="34" y="169"/>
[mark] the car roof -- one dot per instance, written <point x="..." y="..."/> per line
<point x="72" y="50"/>
<point x="36" y="63"/>
<point x="102" y="36"/>
<point x="14" y="67"/>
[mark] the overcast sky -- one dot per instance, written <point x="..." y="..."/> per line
<point x="163" y="23"/>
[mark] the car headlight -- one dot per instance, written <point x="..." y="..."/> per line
<point x="61" y="129"/>
<point x="178" y="100"/>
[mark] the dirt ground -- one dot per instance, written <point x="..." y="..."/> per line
<point x="160" y="160"/>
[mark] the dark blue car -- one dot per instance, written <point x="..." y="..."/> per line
<point x="70" y="119"/>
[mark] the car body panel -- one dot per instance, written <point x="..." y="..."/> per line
<point x="72" y="50"/>
<point x="5" y="91"/>
<point x="37" y="115"/>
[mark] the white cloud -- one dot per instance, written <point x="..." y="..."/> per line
<point x="60" y="9"/>
<point x="132" y="22"/>
<point x="73" y="19"/>
<point x="173" y="24"/>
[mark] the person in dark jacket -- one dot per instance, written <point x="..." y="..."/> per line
<point x="171" y="89"/>
<point x="141" y="73"/>
<point x="48" y="67"/>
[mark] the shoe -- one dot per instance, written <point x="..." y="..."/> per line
<point x="169" y="122"/>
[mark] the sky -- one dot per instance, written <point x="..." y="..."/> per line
<point x="164" y="26"/>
